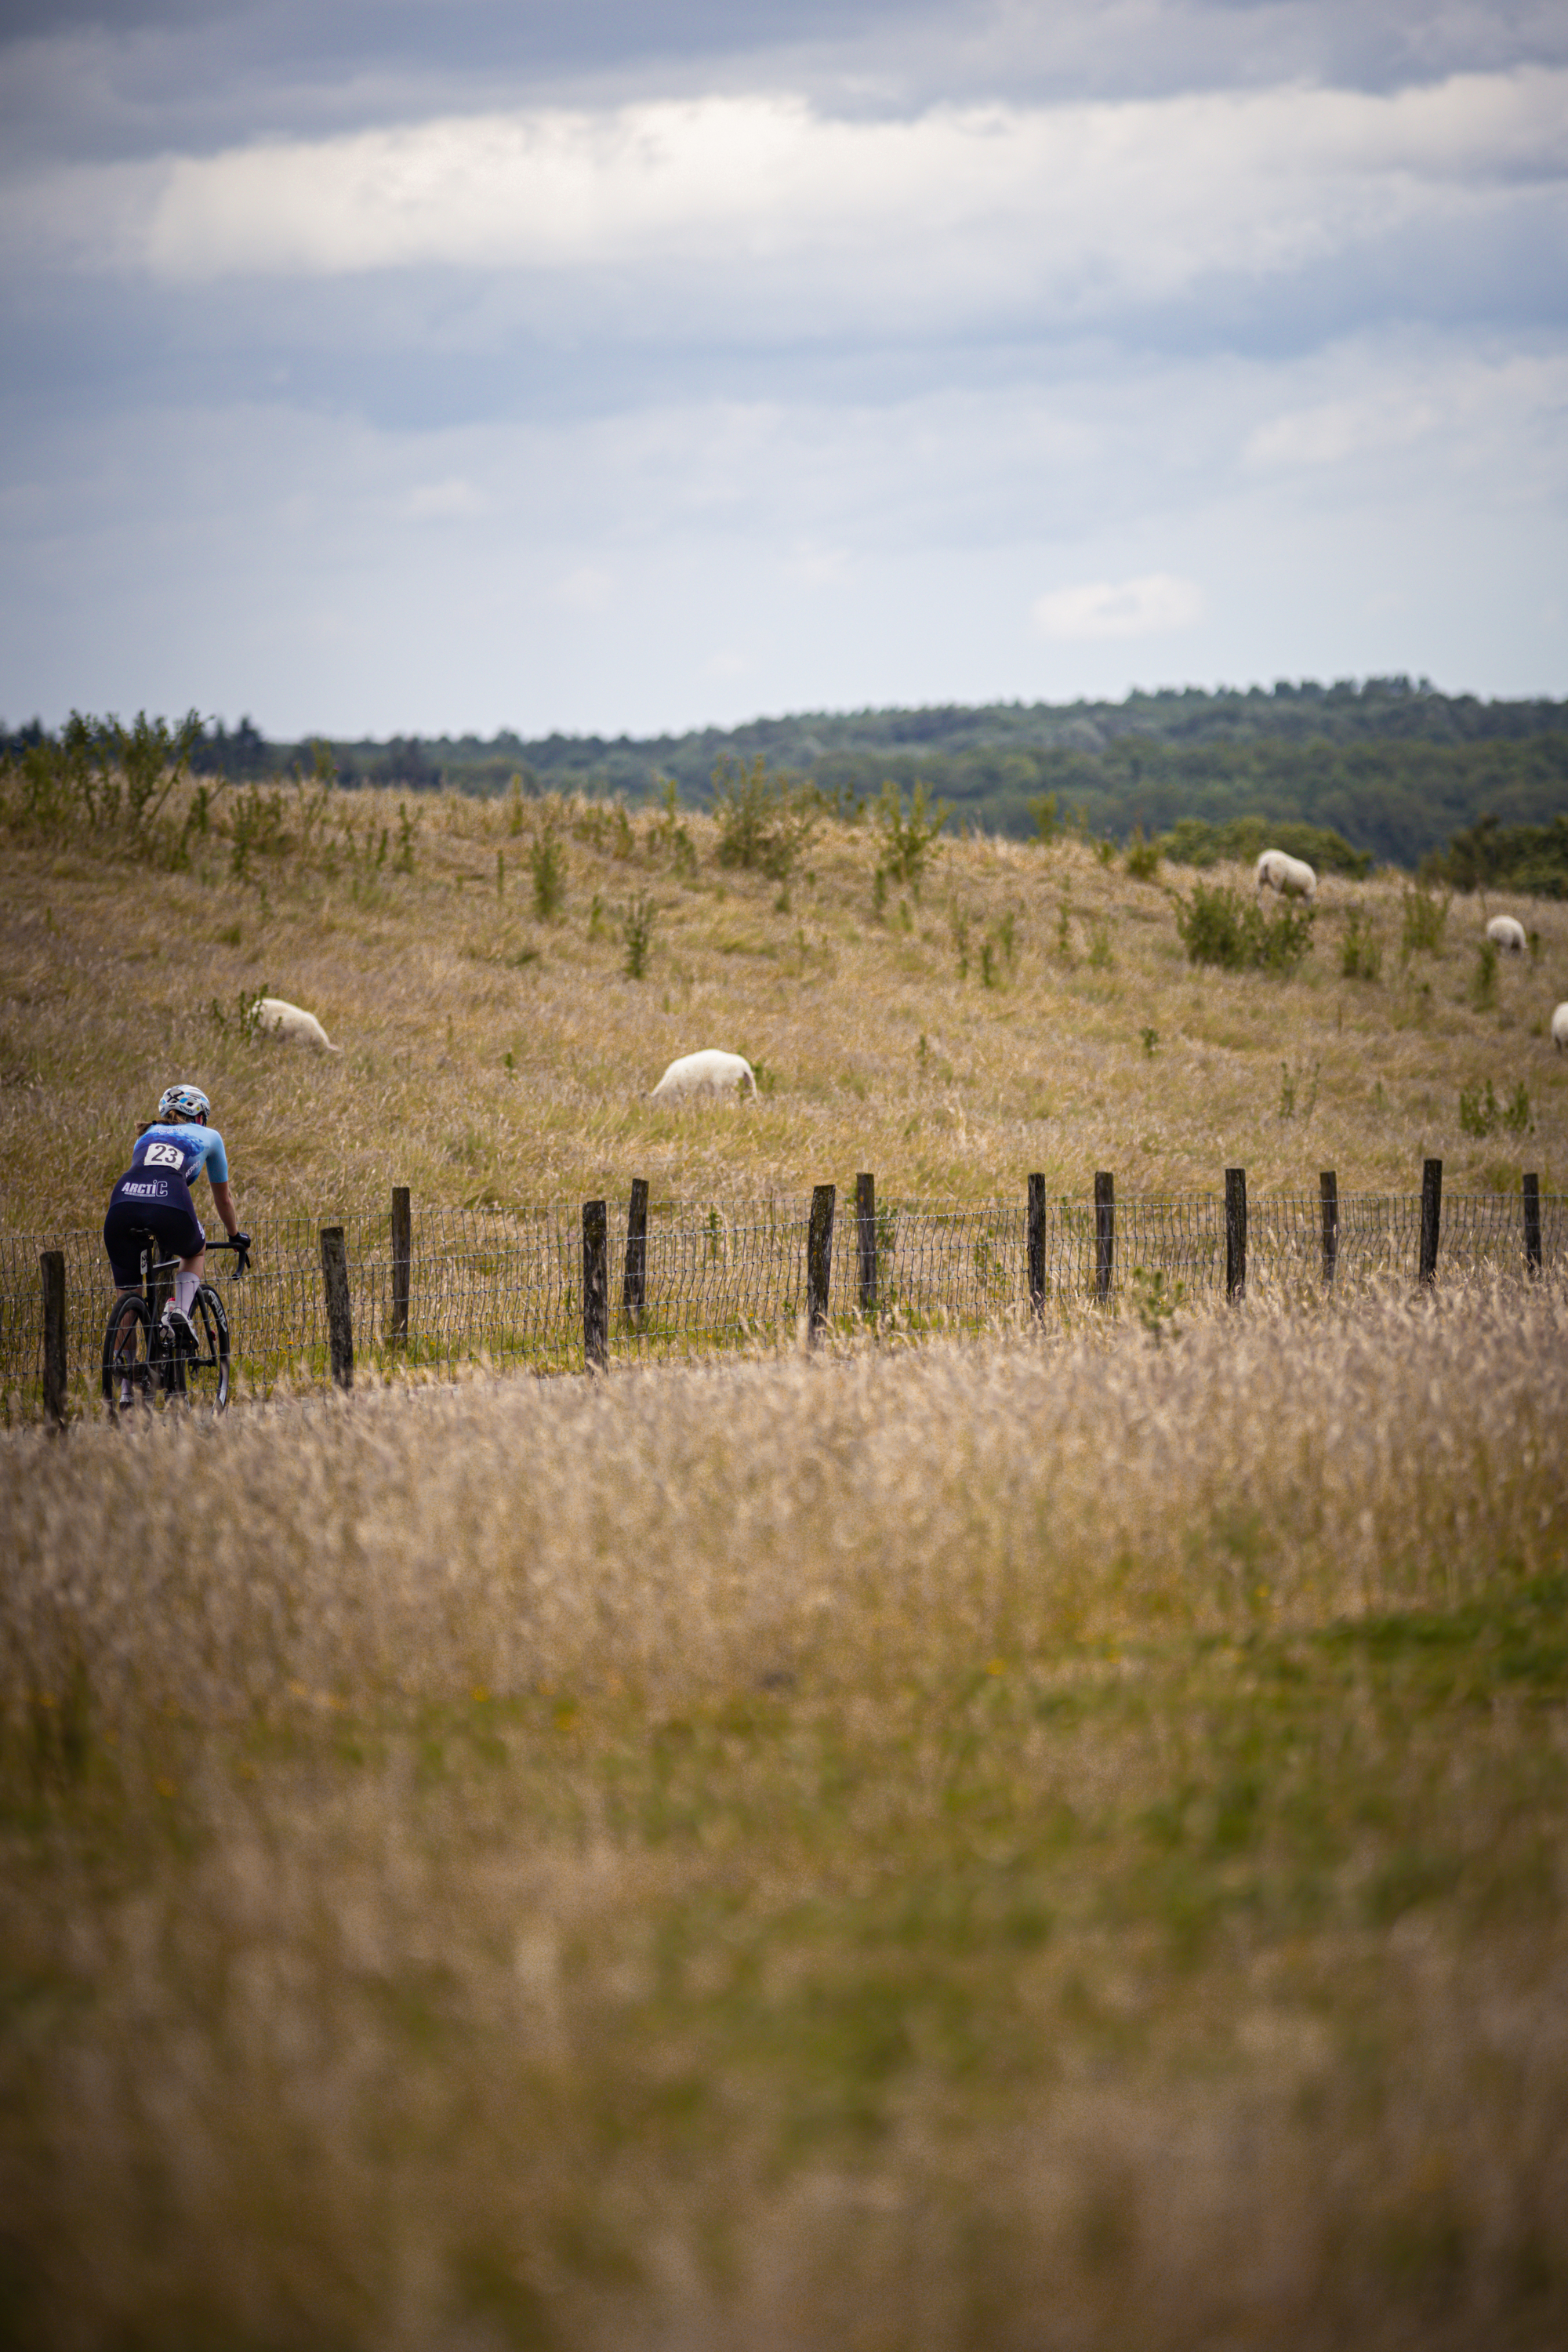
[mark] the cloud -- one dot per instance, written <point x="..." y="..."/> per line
<point x="1387" y="410"/>
<point x="453" y="501"/>
<point x="764" y="214"/>
<point x="1148" y="607"/>
<point x="585" y="589"/>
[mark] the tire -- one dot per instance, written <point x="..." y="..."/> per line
<point x="203" y="1379"/>
<point x="128" y="1377"/>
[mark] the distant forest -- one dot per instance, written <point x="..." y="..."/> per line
<point x="1396" y="768"/>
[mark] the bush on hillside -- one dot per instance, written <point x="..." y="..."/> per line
<point x="1360" y="951"/>
<point x="1193" y="841"/>
<point x="908" y="840"/>
<point x="764" y="821"/>
<point x="1219" y="926"/>
<point x="99" y="778"/>
<point x="1425" y="915"/>
<point x="1488" y="855"/>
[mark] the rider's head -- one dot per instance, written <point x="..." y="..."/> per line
<point x="176" y="1103"/>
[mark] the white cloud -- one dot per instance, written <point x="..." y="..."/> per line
<point x="1385" y="406"/>
<point x="453" y="501"/>
<point x="764" y="211"/>
<point x="1339" y="429"/>
<point x="1147" y="607"/>
<point x="585" y="589"/>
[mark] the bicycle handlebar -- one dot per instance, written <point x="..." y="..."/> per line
<point x="240" y="1245"/>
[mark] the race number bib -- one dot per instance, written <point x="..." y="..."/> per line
<point x="163" y="1155"/>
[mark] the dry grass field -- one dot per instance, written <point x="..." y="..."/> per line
<point x="493" y="1056"/>
<point x="1016" y="1844"/>
<point x="1051" y="1844"/>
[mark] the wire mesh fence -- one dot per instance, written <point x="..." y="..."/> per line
<point x="506" y="1287"/>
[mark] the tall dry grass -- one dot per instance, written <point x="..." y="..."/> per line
<point x="1048" y="1843"/>
<point x="491" y="1056"/>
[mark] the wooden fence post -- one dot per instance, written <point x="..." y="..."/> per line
<point x="866" y="1233"/>
<point x="402" y="1262"/>
<point x="339" y="1313"/>
<point x="595" y="1285"/>
<point x="1329" y="1190"/>
<point x="819" y="1258"/>
<point x="1037" y="1240"/>
<point x="1234" y="1235"/>
<point x="52" y="1265"/>
<point x="1431" y="1217"/>
<point x="1104" y="1233"/>
<point x="634" y="1278"/>
<point x="1532" y="1224"/>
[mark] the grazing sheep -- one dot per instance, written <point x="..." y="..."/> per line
<point x="1560" y="1028"/>
<point x="1504" y="932"/>
<point x="282" y="1020"/>
<point x="708" y="1073"/>
<point x="1291" y="876"/>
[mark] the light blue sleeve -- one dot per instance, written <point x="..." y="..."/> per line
<point x="218" y="1158"/>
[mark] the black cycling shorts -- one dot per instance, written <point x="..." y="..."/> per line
<point x="143" y="1202"/>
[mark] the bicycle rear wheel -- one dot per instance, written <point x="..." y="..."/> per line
<point x="203" y="1379"/>
<point x="128" y="1374"/>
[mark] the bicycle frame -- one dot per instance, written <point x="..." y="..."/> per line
<point x="168" y="1366"/>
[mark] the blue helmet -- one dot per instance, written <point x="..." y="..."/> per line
<point x="184" y="1102"/>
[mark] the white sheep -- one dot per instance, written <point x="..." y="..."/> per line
<point x="1504" y="932"/>
<point x="1560" y="1028"/>
<point x="707" y="1073"/>
<point x="1291" y="876"/>
<point x="279" y="1019"/>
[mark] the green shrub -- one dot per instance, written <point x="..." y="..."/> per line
<point x="637" y="930"/>
<point x="1493" y="856"/>
<point x="1195" y="841"/>
<point x="548" y="860"/>
<point x="958" y="924"/>
<point x="1425" y="915"/>
<point x="108" y="779"/>
<point x="1142" y="859"/>
<point x="668" y="837"/>
<point x="1481" y="1114"/>
<point x="1043" y="810"/>
<point x="764" y="822"/>
<point x="1361" y="953"/>
<point x="908" y="840"/>
<point x="1483" y="981"/>
<point x="1218" y="926"/>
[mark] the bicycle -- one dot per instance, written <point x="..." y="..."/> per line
<point x="146" y="1363"/>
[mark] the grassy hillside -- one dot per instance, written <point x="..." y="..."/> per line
<point x="1056" y="1842"/>
<point x="1021" y="1008"/>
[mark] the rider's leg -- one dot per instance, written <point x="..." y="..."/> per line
<point x="188" y="1280"/>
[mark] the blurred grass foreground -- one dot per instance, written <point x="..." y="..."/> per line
<point x="1041" y="1842"/>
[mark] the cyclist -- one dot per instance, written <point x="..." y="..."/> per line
<point x="154" y="1196"/>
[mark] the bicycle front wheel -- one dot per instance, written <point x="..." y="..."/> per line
<point x="203" y="1379"/>
<point x="127" y="1377"/>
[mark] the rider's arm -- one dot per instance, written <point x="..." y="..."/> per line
<point x="223" y="1200"/>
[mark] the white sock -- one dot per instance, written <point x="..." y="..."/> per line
<point x="186" y="1289"/>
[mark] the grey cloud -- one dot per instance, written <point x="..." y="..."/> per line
<point x="84" y="78"/>
<point x="404" y="478"/>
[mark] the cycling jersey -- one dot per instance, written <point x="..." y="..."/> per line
<point x="150" y="1201"/>
<point x="182" y="1148"/>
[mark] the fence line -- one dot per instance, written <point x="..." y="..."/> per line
<point x="433" y="1287"/>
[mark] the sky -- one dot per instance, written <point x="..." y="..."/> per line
<point x="377" y="366"/>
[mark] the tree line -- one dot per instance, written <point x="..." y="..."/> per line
<point x="1393" y="772"/>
